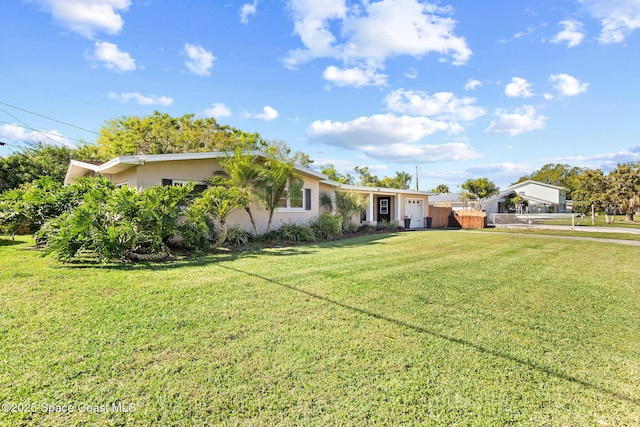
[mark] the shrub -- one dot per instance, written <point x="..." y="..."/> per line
<point x="327" y="227"/>
<point x="291" y="232"/>
<point x="387" y="226"/>
<point x="366" y="228"/>
<point x="236" y="236"/>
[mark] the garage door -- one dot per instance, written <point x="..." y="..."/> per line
<point x="414" y="209"/>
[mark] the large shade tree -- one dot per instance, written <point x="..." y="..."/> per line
<point x="34" y="162"/>
<point x="480" y="189"/>
<point x="161" y="134"/>
<point x="624" y="188"/>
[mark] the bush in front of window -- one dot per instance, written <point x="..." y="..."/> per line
<point x="327" y="227"/>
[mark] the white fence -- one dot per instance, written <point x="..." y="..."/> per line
<point x="533" y="219"/>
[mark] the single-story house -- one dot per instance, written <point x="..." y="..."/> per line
<point x="455" y="201"/>
<point x="141" y="171"/>
<point x="539" y="197"/>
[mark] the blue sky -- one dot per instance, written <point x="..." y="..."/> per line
<point x="460" y="89"/>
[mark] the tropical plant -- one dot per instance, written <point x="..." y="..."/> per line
<point x="346" y="204"/>
<point x="236" y="236"/>
<point x="441" y="189"/>
<point x="278" y="180"/>
<point x="291" y="232"/>
<point x="218" y="202"/>
<point x="327" y="227"/>
<point x="115" y="223"/>
<point x="242" y="171"/>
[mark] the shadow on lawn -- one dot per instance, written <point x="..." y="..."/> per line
<point x="7" y="242"/>
<point x="463" y="342"/>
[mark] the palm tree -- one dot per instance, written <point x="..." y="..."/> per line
<point x="241" y="171"/>
<point x="219" y="202"/>
<point x="346" y="204"/>
<point x="278" y="179"/>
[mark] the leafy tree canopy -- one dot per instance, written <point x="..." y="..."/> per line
<point x="34" y="162"/>
<point x="161" y="134"/>
<point x="557" y="174"/>
<point x="440" y="189"/>
<point x="401" y="180"/>
<point x="480" y="188"/>
<point x="334" y="175"/>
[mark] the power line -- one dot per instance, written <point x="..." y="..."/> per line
<point x="42" y="131"/>
<point x="29" y="127"/>
<point x="48" y="118"/>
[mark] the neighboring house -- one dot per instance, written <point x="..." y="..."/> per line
<point x="141" y="171"/>
<point x="539" y="198"/>
<point x="455" y="201"/>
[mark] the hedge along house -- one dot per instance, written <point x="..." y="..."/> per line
<point x="141" y="171"/>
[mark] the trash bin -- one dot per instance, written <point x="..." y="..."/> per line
<point x="428" y="221"/>
<point x="407" y="223"/>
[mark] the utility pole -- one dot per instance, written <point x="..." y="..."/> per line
<point x="417" y="184"/>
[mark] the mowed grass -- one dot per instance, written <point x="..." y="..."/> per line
<point x="426" y="328"/>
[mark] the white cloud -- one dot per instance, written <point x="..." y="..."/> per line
<point x="618" y="18"/>
<point x="442" y="105"/>
<point x="379" y="129"/>
<point x="87" y="17"/>
<point x="112" y="58"/>
<point x="472" y="84"/>
<point x="568" y="85"/>
<point x="572" y="33"/>
<point x="354" y="77"/>
<point x="524" y="119"/>
<point x="427" y="153"/>
<point x="501" y="169"/>
<point x="371" y="32"/>
<point x="199" y="59"/>
<point x="528" y="32"/>
<point x="16" y="134"/>
<point x="518" y="87"/>
<point x="247" y="10"/>
<point x="141" y="99"/>
<point x="218" y="110"/>
<point x="606" y="161"/>
<point x="268" y="114"/>
<point x="411" y="73"/>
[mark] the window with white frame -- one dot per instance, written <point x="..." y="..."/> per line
<point x="199" y="187"/>
<point x="296" y="200"/>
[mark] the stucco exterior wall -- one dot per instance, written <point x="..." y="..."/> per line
<point x="540" y="192"/>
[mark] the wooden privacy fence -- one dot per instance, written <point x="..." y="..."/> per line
<point x="440" y="216"/>
<point x="468" y="219"/>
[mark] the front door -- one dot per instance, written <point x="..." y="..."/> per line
<point x="384" y="209"/>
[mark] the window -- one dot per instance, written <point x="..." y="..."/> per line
<point x="199" y="188"/>
<point x="121" y="184"/>
<point x="298" y="200"/>
<point x="384" y="206"/>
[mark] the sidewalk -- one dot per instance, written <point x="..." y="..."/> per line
<point x="580" y="228"/>
<point x="576" y="228"/>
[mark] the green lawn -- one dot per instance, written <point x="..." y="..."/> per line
<point x="427" y="328"/>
